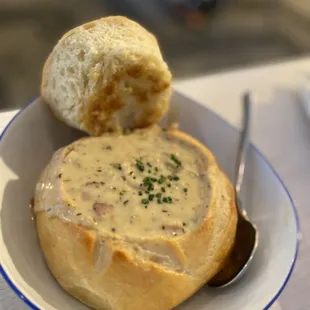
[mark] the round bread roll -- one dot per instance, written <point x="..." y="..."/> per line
<point x="126" y="221"/>
<point x="107" y="75"/>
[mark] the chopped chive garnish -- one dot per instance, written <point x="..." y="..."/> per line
<point x="161" y="179"/>
<point x="176" y="160"/>
<point x="140" y="193"/>
<point x="145" y="201"/>
<point x="175" y="178"/>
<point x="163" y="189"/>
<point x="158" y="195"/>
<point x="167" y="199"/>
<point x="151" y="196"/>
<point x="185" y="190"/>
<point x="140" y="164"/>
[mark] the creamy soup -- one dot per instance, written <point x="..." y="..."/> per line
<point x="140" y="184"/>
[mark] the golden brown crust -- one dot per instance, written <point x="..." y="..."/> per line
<point x="200" y="238"/>
<point x="127" y="281"/>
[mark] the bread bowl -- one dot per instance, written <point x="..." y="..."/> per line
<point x="107" y="75"/>
<point x="117" y="251"/>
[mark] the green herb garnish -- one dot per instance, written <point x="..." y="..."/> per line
<point x="147" y="182"/>
<point x="140" y="165"/>
<point x="175" y="160"/>
<point x="161" y="179"/>
<point x="167" y="199"/>
<point x="175" y="178"/>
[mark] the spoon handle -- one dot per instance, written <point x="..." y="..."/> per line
<point x="243" y="145"/>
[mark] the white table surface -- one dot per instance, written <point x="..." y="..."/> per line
<point x="280" y="130"/>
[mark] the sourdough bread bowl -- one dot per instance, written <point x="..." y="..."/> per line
<point x="132" y="215"/>
<point x="126" y="221"/>
<point x="107" y="75"/>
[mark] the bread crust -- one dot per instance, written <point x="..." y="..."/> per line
<point x="125" y="280"/>
<point x="107" y="75"/>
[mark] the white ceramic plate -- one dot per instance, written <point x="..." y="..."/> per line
<point x="26" y="147"/>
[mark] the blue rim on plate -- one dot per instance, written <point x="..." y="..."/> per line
<point x="256" y="150"/>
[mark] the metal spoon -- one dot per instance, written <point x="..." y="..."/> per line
<point x="247" y="234"/>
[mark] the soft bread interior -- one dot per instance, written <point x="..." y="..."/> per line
<point x="107" y="75"/>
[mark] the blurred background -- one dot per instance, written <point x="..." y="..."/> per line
<point x="197" y="37"/>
